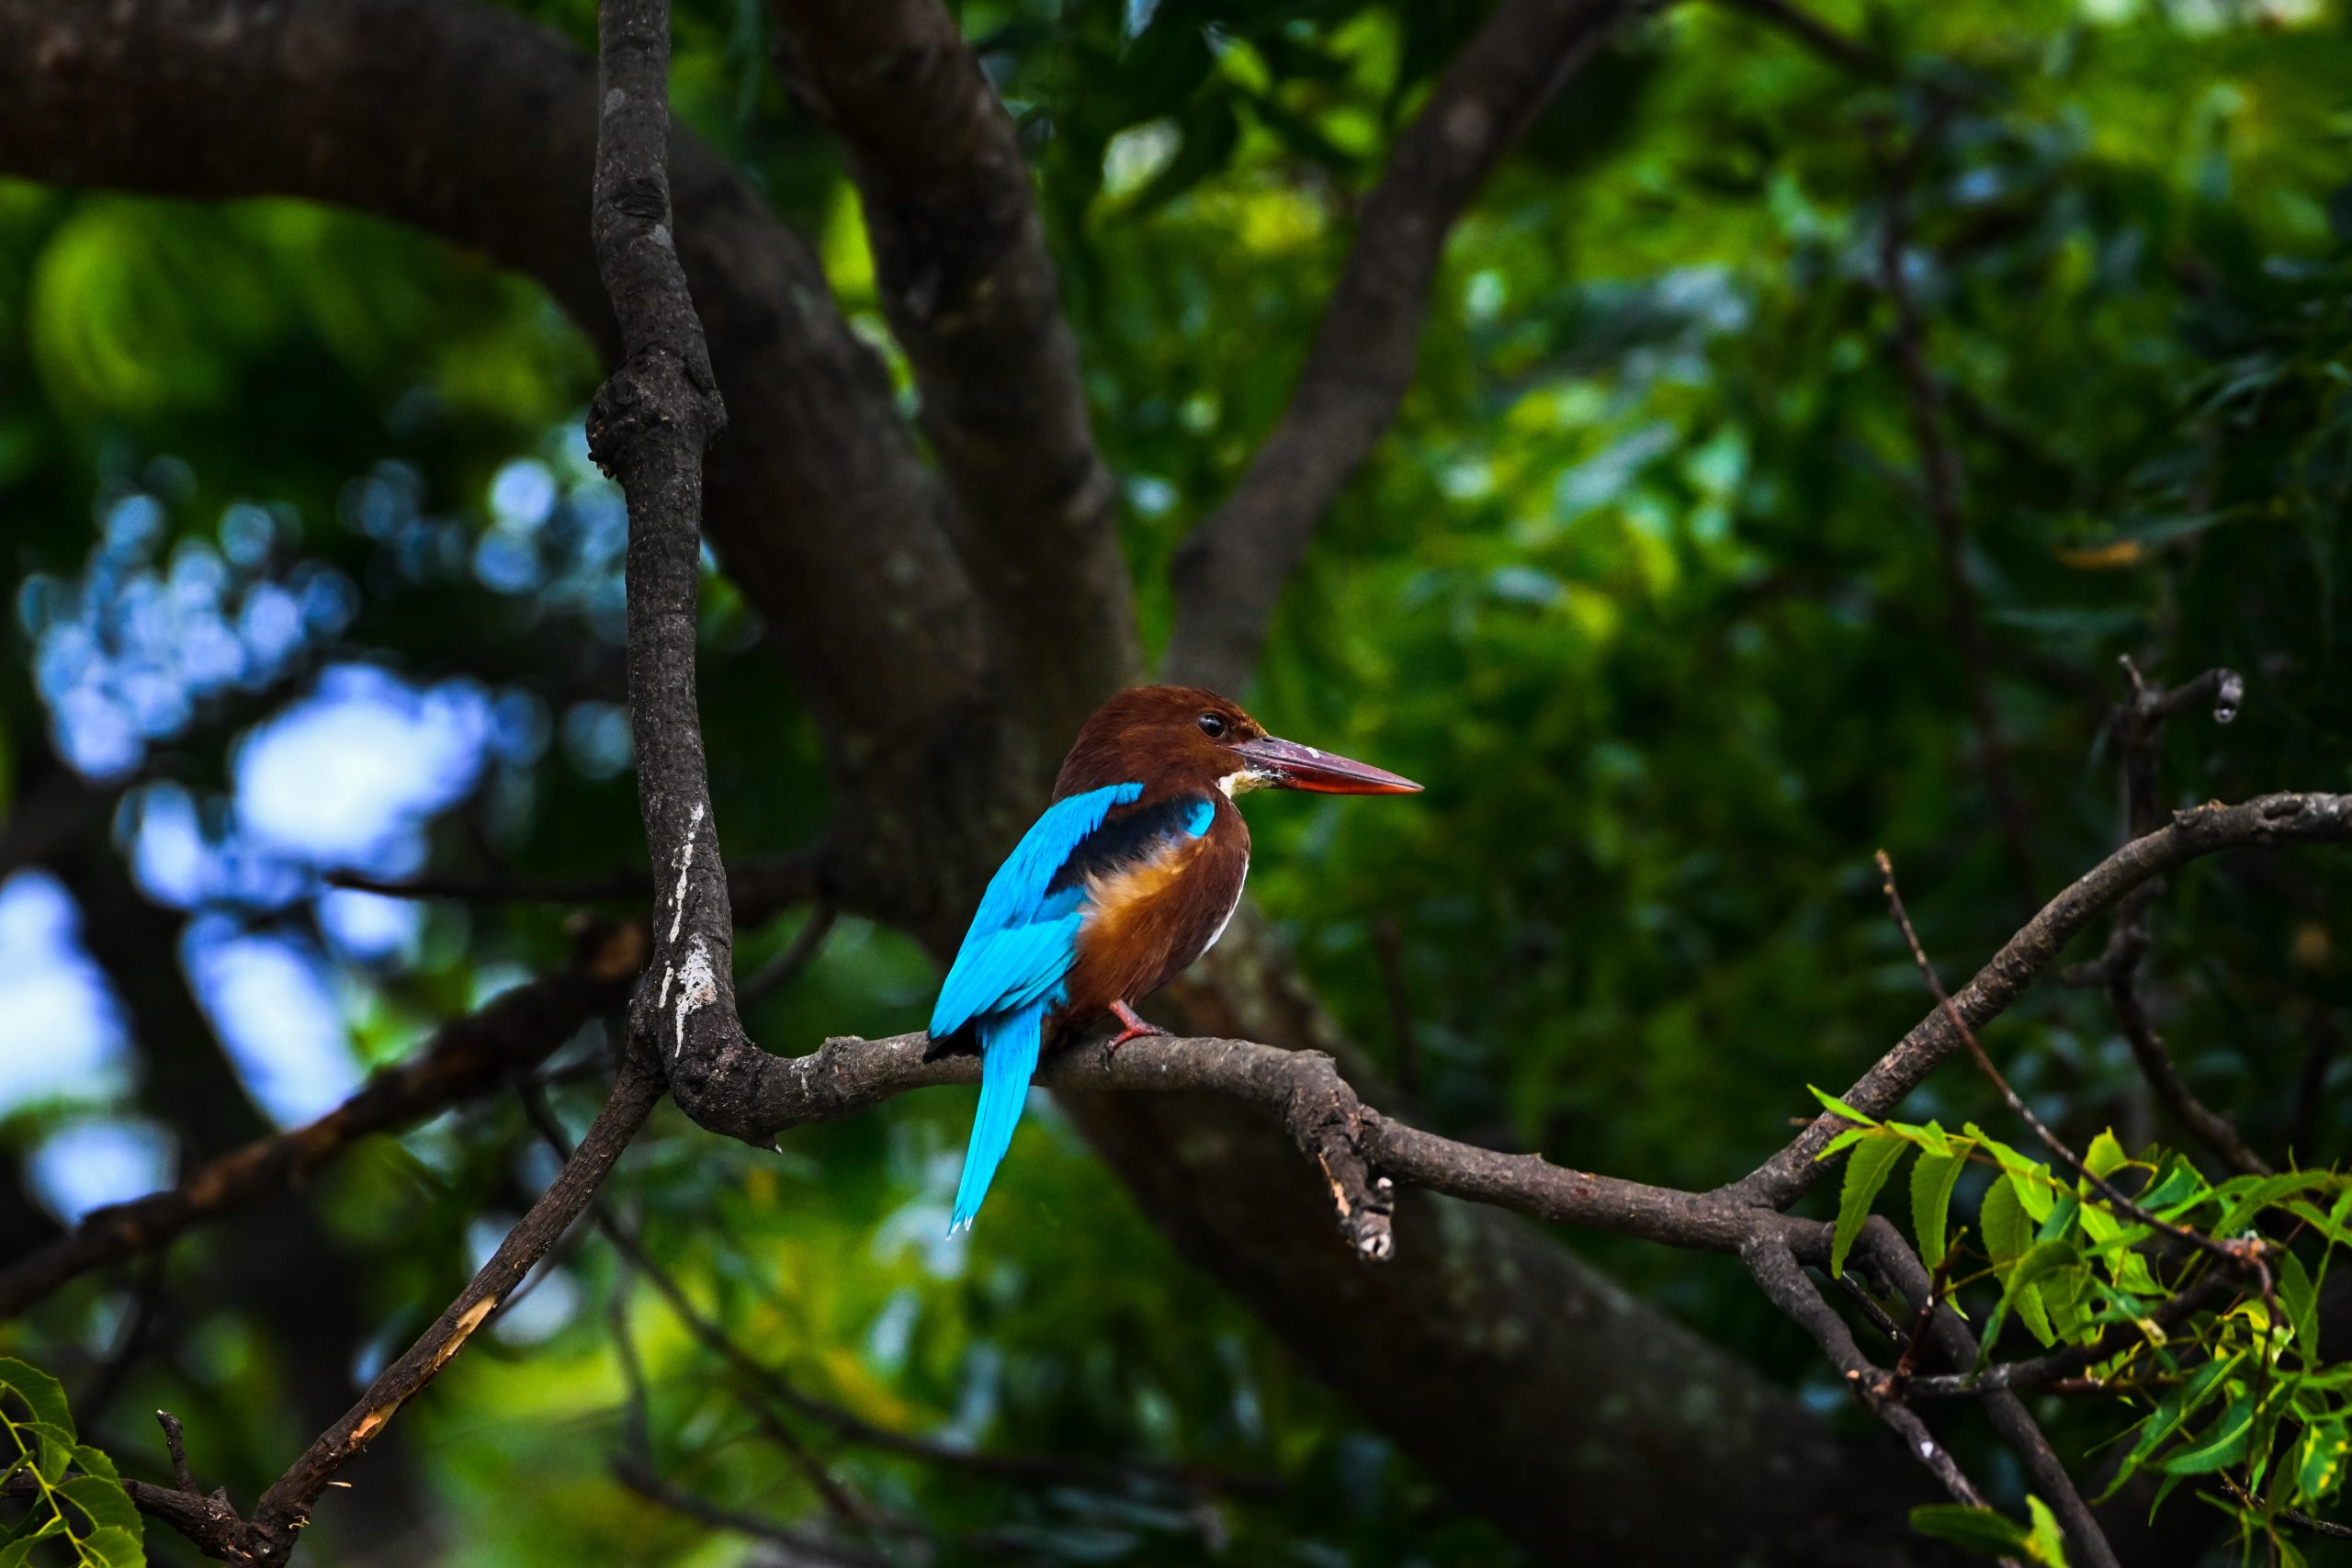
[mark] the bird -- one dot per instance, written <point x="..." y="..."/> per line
<point x="1131" y="874"/>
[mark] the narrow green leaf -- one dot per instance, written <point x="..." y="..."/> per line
<point x="2180" y="1183"/>
<point x="2260" y="1195"/>
<point x="2028" y="1304"/>
<point x="2222" y="1444"/>
<point x="1842" y="1142"/>
<point x="2171" y="1413"/>
<point x="2301" y="1298"/>
<point x="1932" y="1180"/>
<point x="1831" y="1103"/>
<point x="1978" y="1529"/>
<point x="1867" y="1169"/>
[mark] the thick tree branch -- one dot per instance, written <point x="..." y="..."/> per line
<point x="469" y="1056"/>
<point x="1230" y="574"/>
<point x="828" y="519"/>
<point x="971" y="294"/>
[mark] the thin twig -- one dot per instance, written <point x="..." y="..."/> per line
<point x="2270" y="820"/>
<point x="2292" y="1516"/>
<point x="798" y="1548"/>
<point x="2042" y="1372"/>
<point x="1884" y="1249"/>
<point x="176" y="1444"/>
<point x="2137" y="727"/>
<point x="1942" y="487"/>
<point x="636" y="1260"/>
<point x="2238" y="1255"/>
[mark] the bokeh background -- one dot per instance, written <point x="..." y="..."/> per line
<point x="308" y="572"/>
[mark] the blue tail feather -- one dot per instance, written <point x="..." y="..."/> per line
<point x="1009" y="1045"/>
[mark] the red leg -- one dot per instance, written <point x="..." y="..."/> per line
<point x="1131" y="1028"/>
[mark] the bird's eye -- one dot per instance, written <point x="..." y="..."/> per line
<point x="1213" y="726"/>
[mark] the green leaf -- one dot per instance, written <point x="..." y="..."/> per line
<point x="2132" y="1273"/>
<point x="2180" y="1184"/>
<point x="2002" y="1219"/>
<point x="13" y="1555"/>
<point x="1867" y="1169"/>
<point x="2319" y="1466"/>
<point x="2301" y="1298"/>
<point x="1831" y="1103"/>
<point x="1932" y="1180"/>
<point x="2105" y="1156"/>
<point x="94" y="1461"/>
<point x="2328" y="1228"/>
<point x="56" y="1450"/>
<point x="2260" y="1195"/>
<point x="2223" y="1443"/>
<point x="116" y="1547"/>
<point x="2047" y="1543"/>
<point x="2036" y="1192"/>
<point x="42" y="1394"/>
<point x="1978" y="1529"/>
<point x="1843" y="1142"/>
<point x="2171" y="1413"/>
<point x="104" y="1502"/>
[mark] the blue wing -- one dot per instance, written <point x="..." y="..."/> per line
<point x="1024" y="938"/>
<point x="1010" y="972"/>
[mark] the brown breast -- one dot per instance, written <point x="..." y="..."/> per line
<point x="1147" y="922"/>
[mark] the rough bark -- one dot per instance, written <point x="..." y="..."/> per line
<point x="972" y="296"/>
<point x="820" y="508"/>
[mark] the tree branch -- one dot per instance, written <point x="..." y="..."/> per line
<point x="1785" y="1286"/>
<point x="1893" y="1257"/>
<point x="971" y="294"/>
<point x="1816" y="35"/>
<point x="286" y="1507"/>
<point x="2266" y="820"/>
<point x="1230" y="574"/>
<point x="2137" y="727"/>
<point x="510" y="1034"/>
<point x="387" y="106"/>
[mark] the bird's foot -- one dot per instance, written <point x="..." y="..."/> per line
<point x="1131" y="1027"/>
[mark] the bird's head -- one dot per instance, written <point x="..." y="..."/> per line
<point x="1179" y="738"/>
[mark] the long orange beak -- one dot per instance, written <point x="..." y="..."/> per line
<point x="1285" y="764"/>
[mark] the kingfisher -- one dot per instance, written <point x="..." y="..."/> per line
<point x="1131" y="874"/>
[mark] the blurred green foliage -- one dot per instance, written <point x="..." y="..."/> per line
<point x="1641" y="585"/>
